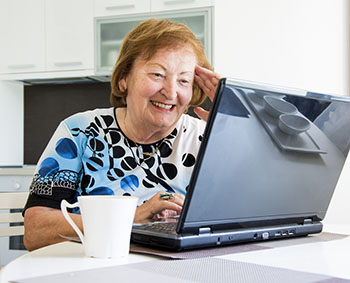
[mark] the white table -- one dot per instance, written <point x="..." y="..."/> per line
<point x="325" y="257"/>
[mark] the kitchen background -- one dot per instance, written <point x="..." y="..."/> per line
<point x="56" y="57"/>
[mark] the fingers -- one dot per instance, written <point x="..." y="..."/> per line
<point x="207" y="81"/>
<point x="178" y="199"/>
<point x="175" y="202"/>
<point x="203" y="72"/>
<point x="157" y="204"/>
<point x="170" y="205"/>
<point x="205" y="86"/>
<point x="166" y="208"/>
<point x="201" y="113"/>
<point x="167" y="214"/>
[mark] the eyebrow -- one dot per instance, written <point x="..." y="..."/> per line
<point x="160" y="65"/>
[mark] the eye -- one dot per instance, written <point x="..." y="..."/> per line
<point x="157" y="75"/>
<point x="185" y="82"/>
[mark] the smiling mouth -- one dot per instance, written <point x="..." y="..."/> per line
<point x="162" y="105"/>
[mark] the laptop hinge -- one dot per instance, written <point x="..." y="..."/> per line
<point x="308" y="221"/>
<point x="204" y="230"/>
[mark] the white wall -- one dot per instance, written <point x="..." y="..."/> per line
<point x="297" y="43"/>
<point x="11" y="123"/>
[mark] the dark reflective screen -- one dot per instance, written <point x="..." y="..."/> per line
<point x="270" y="155"/>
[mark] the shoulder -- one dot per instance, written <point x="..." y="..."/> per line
<point x="192" y="123"/>
<point x="190" y="129"/>
<point x="84" y="119"/>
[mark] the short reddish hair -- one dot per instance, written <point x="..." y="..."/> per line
<point x="145" y="40"/>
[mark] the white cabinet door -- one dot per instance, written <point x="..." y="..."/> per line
<point x="69" y="35"/>
<point x="22" y="30"/>
<point x="166" y="5"/>
<point x="11" y="124"/>
<point x="110" y="32"/>
<point x="121" y="7"/>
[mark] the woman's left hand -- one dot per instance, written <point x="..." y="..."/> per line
<point x="208" y="82"/>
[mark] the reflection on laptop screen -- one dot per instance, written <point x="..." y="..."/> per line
<point x="271" y="154"/>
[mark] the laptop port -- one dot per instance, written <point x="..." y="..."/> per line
<point x="278" y="234"/>
<point x="265" y="235"/>
<point x="218" y="241"/>
<point x="284" y="233"/>
<point x="291" y="232"/>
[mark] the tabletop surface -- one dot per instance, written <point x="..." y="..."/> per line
<point x="327" y="258"/>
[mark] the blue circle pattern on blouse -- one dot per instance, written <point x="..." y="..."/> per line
<point x="66" y="148"/>
<point x="129" y="182"/>
<point x="49" y="167"/>
<point x="102" y="191"/>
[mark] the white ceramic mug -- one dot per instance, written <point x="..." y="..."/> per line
<point x="107" y="224"/>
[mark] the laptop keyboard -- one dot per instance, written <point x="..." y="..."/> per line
<point x="167" y="227"/>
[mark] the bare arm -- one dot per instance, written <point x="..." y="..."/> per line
<point x="43" y="226"/>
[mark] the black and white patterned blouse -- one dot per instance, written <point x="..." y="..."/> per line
<point x="89" y="155"/>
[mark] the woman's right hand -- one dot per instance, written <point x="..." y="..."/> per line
<point x="158" y="207"/>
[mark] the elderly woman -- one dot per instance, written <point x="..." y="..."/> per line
<point x="143" y="146"/>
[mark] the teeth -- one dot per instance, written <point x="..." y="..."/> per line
<point x="161" y="105"/>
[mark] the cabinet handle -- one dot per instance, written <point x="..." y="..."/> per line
<point x="117" y="7"/>
<point x="175" y="2"/>
<point x="67" y="64"/>
<point x="16" y="186"/>
<point x="21" y="66"/>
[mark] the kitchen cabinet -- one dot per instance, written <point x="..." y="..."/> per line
<point x="22" y="29"/>
<point x="11" y="124"/>
<point x="42" y="38"/>
<point x="15" y="180"/>
<point x="110" y="32"/>
<point x="69" y="36"/>
<point x="49" y="39"/>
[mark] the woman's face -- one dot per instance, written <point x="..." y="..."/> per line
<point x="159" y="90"/>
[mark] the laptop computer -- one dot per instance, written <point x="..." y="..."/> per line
<point x="254" y="179"/>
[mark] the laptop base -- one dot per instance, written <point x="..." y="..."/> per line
<point x="230" y="237"/>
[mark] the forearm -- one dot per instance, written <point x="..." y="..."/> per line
<point x="43" y="226"/>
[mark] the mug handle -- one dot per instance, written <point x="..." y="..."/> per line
<point x="64" y="205"/>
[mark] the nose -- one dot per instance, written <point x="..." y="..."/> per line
<point x="169" y="89"/>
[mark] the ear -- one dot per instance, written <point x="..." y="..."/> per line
<point x="122" y="85"/>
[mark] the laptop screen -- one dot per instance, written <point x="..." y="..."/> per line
<point x="257" y="165"/>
